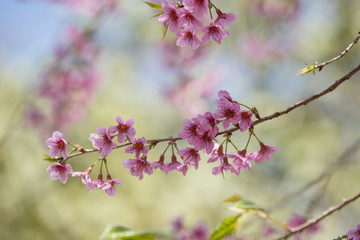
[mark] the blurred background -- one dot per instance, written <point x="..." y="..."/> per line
<point x="118" y="64"/>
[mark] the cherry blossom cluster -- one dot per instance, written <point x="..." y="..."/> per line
<point x="190" y="19"/>
<point x="199" y="132"/>
<point x="68" y="84"/>
<point x="198" y="232"/>
<point x="102" y="141"/>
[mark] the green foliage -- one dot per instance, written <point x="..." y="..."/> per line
<point x="232" y="199"/>
<point x="50" y="159"/>
<point x="245" y="206"/>
<point x="154" y="5"/>
<point x="165" y="30"/>
<point x="308" y="69"/>
<point x="123" y="233"/>
<point x="156" y="15"/>
<point x="225" y="228"/>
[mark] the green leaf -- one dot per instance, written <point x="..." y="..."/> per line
<point x="123" y="233"/>
<point x="225" y="228"/>
<point x="233" y="198"/>
<point x="161" y="13"/>
<point x="165" y="30"/>
<point x="154" y="5"/>
<point x="50" y="159"/>
<point x="308" y="69"/>
<point x="245" y="206"/>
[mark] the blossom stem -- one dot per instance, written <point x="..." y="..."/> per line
<point x="102" y="161"/>
<point x="97" y="160"/>
<point x="233" y="145"/>
<point x="244" y="106"/>
<point x="248" y="141"/>
<point x="107" y="170"/>
<point x="226" y="144"/>
<point x="166" y="148"/>
<point x="172" y="148"/>
<point x="73" y="150"/>
<point x="252" y="132"/>
<point x="210" y="6"/>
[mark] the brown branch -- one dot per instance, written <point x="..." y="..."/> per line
<point x="317" y="219"/>
<point x="321" y="65"/>
<point x="310" y="99"/>
<point x="272" y="116"/>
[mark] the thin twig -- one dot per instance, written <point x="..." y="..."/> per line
<point x="304" y="102"/>
<point x="310" y="99"/>
<point x="341" y="160"/>
<point x="317" y="219"/>
<point x="312" y="68"/>
<point x="321" y="65"/>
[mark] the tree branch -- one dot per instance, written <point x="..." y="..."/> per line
<point x="317" y="219"/>
<point x="310" y="99"/>
<point x="272" y="116"/>
<point x="321" y="65"/>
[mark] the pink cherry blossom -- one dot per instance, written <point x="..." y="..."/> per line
<point x="230" y="111"/>
<point x="173" y="165"/>
<point x="245" y="120"/>
<point x="241" y="161"/>
<point x="183" y="168"/>
<point x="159" y="164"/>
<point x="138" y="146"/>
<point x="171" y="16"/>
<point x="125" y="130"/>
<point x="85" y="178"/>
<point x="191" y="129"/>
<point x="59" y="171"/>
<point x="103" y="142"/>
<point x="209" y="118"/>
<point x="57" y="145"/>
<point x="190" y="156"/>
<point x="216" y="153"/>
<point x="189" y="21"/>
<point x="138" y="166"/>
<point x="223" y="19"/>
<point x="206" y="139"/>
<point x="354" y="233"/>
<point x="109" y="187"/>
<point x="264" y="153"/>
<point x="223" y="96"/>
<point x="187" y="38"/>
<point x="225" y="165"/>
<point x="214" y="31"/>
<point x="99" y="183"/>
<point x="199" y="7"/>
